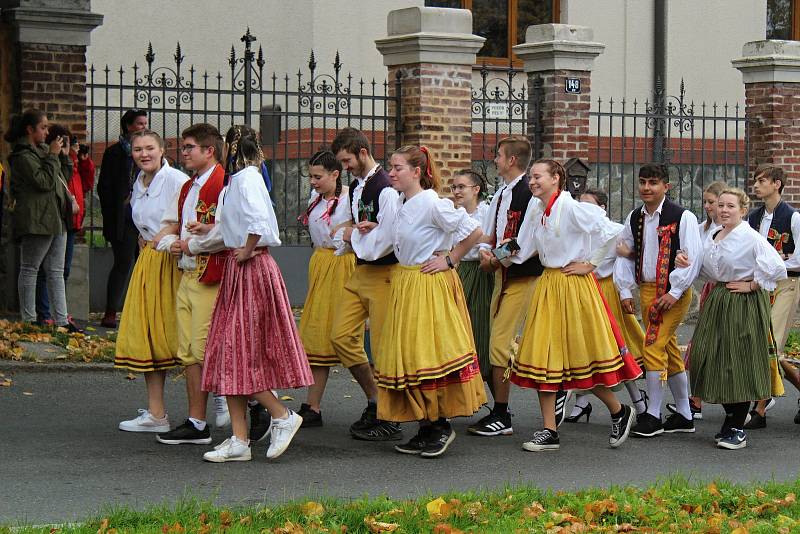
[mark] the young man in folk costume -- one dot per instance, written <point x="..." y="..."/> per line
<point x="514" y="282"/>
<point x="780" y="224"/>
<point x="652" y="236"/>
<point x="200" y="260"/>
<point x="366" y="294"/>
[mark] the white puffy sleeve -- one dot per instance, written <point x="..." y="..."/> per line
<point x="681" y="278"/>
<point x="603" y="230"/>
<point x="257" y="210"/>
<point x="625" y="268"/>
<point x="453" y="220"/>
<point x="172" y="190"/>
<point x="793" y="261"/>
<point x="488" y="222"/>
<point x="525" y="237"/>
<point x="769" y="266"/>
<point x="380" y="241"/>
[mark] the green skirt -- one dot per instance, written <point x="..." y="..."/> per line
<point x="478" y="287"/>
<point x="732" y="347"/>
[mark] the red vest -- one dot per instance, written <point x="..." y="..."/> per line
<point x="208" y="265"/>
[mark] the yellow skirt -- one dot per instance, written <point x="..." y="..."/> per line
<point x="629" y="327"/>
<point x="148" y="331"/>
<point x="327" y="275"/>
<point x="427" y="367"/>
<point x="568" y="341"/>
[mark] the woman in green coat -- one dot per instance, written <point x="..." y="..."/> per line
<point x="42" y="211"/>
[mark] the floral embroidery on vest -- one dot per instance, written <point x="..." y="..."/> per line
<point x="665" y="234"/>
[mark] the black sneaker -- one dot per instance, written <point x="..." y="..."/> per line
<point x="494" y="424"/>
<point x="310" y="417"/>
<point x="647" y="426"/>
<point x="416" y="444"/>
<point x="186" y="433"/>
<point x="725" y="430"/>
<point x="260" y="421"/>
<point x="677" y="423"/>
<point x="755" y="421"/>
<point x="697" y="412"/>
<point x="736" y="439"/>
<point x="542" y="440"/>
<point x="439" y="439"/>
<point x="561" y="404"/>
<point x="621" y="427"/>
<point x="381" y="431"/>
<point x="369" y="418"/>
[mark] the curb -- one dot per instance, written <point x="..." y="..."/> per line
<point x="13" y="365"/>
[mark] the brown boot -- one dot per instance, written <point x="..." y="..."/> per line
<point x="109" y="320"/>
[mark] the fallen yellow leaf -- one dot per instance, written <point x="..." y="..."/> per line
<point x="286" y="398"/>
<point x="712" y="489"/>
<point x="434" y="507"/>
<point x="380" y="526"/>
<point x="312" y="509"/>
<point x="28" y="393"/>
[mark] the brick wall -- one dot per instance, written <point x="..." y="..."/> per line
<point x="437" y="112"/>
<point x="565" y="117"/>
<point x="53" y="79"/>
<point x="775" y="136"/>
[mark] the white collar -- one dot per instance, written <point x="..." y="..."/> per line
<point x="201" y="180"/>
<point x="155" y="185"/>
<point x="373" y="170"/>
<point x="658" y="210"/>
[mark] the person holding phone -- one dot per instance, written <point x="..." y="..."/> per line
<point x="570" y="339"/>
<point x="41" y="216"/>
<point x="513" y="284"/>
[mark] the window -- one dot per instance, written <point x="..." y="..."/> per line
<point x="783" y="20"/>
<point x="503" y="23"/>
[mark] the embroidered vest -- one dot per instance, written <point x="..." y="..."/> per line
<point x="670" y="214"/>
<point x="369" y="207"/>
<point x="780" y="229"/>
<point x="520" y="196"/>
<point x="209" y="266"/>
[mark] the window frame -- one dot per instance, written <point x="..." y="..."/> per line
<point x="794" y="31"/>
<point x="511" y="59"/>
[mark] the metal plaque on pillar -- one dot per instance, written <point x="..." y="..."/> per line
<point x="572" y="86"/>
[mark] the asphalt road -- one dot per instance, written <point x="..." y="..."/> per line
<point x="62" y="457"/>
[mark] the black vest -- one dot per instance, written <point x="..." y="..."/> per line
<point x="369" y="198"/>
<point x="520" y="197"/>
<point x="781" y="238"/>
<point x="670" y="214"/>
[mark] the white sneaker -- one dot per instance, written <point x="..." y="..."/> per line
<point x="230" y="450"/>
<point x="145" y="423"/>
<point x="221" y="410"/>
<point x="281" y="433"/>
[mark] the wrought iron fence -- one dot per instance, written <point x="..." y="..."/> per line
<point x="296" y="113"/>
<point x="699" y="143"/>
<point x="502" y="106"/>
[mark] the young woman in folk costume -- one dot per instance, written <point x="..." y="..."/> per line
<point x="328" y="272"/>
<point x="570" y="339"/>
<point x="253" y="345"/>
<point x="469" y="191"/>
<point x="707" y="227"/>
<point x="732" y="343"/>
<point x="630" y="328"/>
<point x="426" y="366"/>
<point x="148" y="332"/>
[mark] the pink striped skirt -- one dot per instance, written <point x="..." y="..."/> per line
<point x="253" y="344"/>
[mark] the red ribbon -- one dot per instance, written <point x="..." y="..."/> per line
<point x="550" y="205"/>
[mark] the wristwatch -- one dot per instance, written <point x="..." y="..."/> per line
<point x="449" y="261"/>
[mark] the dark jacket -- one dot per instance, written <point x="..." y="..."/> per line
<point x="114" y="189"/>
<point x="36" y="187"/>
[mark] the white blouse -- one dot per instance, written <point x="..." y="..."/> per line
<point x="150" y="203"/>
<point x="426" y="224"/>
<point x="378" y="242"/>
<point x="606" y="267"/>
<point x="574" y="231"/>
<point x="701" y="226"/>
<point x="319" y="228"/>
<point x="479" y="215"/>
<point x="743" y="254"/>
<point x="245" y="208"/>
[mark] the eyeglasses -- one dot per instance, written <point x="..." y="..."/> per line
<point x="189" y="148"/>
<point x="460" y="187"/>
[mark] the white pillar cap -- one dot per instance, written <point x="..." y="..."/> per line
<point x="769" y="61"/>
<point x="558" y="47"/>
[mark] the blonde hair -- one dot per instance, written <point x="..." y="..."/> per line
<point x="519" y="147"/>
<point x="148" y="133"/>
<point x="744" y="200"/>
<point x="715" y="188"/>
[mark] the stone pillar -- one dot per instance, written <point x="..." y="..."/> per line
<point x="771" y="75"/>
<point x="49" y="40"/>
<point x="433" y="50"/>
<point x="52" y="36"/>
<point x="558" y="60"/>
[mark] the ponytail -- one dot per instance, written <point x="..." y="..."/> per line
<point x="18" y="127"/>
<point x="420" y="156"/>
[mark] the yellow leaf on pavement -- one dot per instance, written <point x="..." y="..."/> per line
<point x="286" y="398"/>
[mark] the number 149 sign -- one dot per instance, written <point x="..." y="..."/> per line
<point x="572" y="85"/>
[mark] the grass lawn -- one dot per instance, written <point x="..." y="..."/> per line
<point x="675" y="505"/>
